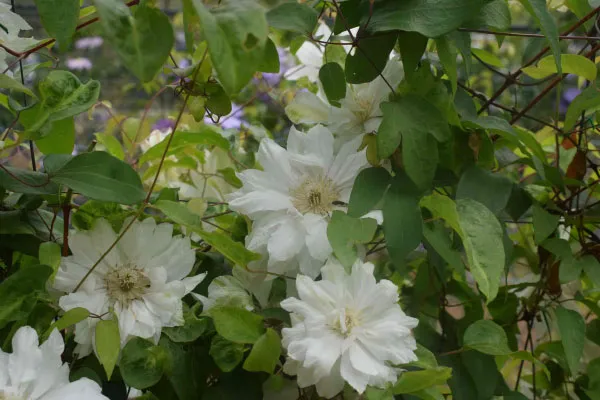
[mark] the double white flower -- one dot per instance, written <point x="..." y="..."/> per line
<point x="346" y="328"/>
<point x="291" y="200"/>
<point x="34" y="372"/>
<point x="142" y="279"/>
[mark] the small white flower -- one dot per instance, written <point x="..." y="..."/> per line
<point x="143" y="279"/>
<point x="225" y="290"/>
<point x="36" y="372"/>
<point x="291" y="200"/>
<point x="346" y="328"/>
<point x="359" y="112"/>
<point x="310" y="55"/>
<point x="154" y="138"/>
<point x="207" y="182"/>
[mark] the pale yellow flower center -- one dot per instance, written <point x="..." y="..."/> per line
<point x="126" y="283"/>
<point x="315" y="195"/>
<point x="345" y="321"/>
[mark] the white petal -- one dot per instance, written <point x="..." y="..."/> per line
<point x="332" y="384"/>
<point x="82" y="389"/>
<point x="314" y="146"/>
<point x="307" y="108"/>
<point x="316" y="239"/>
<point x="192" y="281"/>
<point x="354" y="377"/>
<point x="286" y="241"/>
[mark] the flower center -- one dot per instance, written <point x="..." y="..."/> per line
<point x="126" y="283"/>
<point x="315" y="195"/>
<point x="345" y="321"/>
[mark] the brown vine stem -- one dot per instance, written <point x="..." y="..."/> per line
<point x="522" y="34"/>
<point x="24" y="54"/>
<point x="531" y="61"/>
<point x="151" y="189"/>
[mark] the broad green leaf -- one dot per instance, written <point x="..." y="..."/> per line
<point x="192" y="328"/>
<point x="588" y="100"/>
<point x="295" y="17"/>
<point x="486" y="337"/>
<point x="426" y="359"/>
<point x="592" y="331"/>
<point x="100" y="176"/>
<point x="108" y="344"/>
<point x="482" y="234"/>
<point x="442" y="207"/>
<point x="437" y="237"/>
<point x="62" y="95"/>
<point x="368" y="189"/>
<point x="18" y="292"/>
<point x="270" y="61"/>
<point x="236" y="32"/>
<point x="180" y="214"/>
<point x="388" y="134"/>
<point x="218" y="102"/>
<point x="49" y="254"/>
<point x="59" y="18"/>
<point x="6" y="82"/>
<point x="265" y="353"/>
<point x="447" y="54"/>
<point x="496" y="14"/>
<point x="142" y="363"/>
<point x="412" y="46"/>
<point x="414" y="381"/>
<point x="332" y="78"/>
<point x="431" y="18"/>
<point x="206" y="136"/>
<point x="112" y="145"/>
<point x="544" y="223"/>
<point x="237" y="324"/>
<point x="544" y="20"/>
<point x="570" y="268"/>
<point x="345" y="232"/>
<point x="570" y="63"/>
<point x="60" y="139"/>
<point x="571" y="326"/>
<point x="70" y="318"/>
<point x="488" y="58"/>
<point x="226" y="354"/>
<point x="402" y="221"/>
<point x="527" y="356"/>
<point x="491" y="190"/>
<point x="591" y="267"/>
<point x="143" y="40"/>
<point x="371" y="54"/>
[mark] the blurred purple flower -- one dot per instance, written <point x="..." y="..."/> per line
<point x="79" y="64"/>
<point x="286" y="61"/>
<point x="88" y="43"/>
<point x="233" y="120"/>
<point x="163" y="124"/>
<point x="567" y="97"/>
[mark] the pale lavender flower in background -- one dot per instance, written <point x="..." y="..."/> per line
<point x="233" y="120"/>
<point x="568" y="95"/>
<point x="286" y="61"/>
<point x="163" y="124"/>
<point x="79" y="64"/>
<point x="89" y="43"/>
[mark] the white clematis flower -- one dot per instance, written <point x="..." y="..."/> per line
<point x="143" y="279"/>
<point x="346" y="328"/>
<point x="36" y="372"/>
<point x="291" y="201"/>
<point x="207" y="182"/>
<point x="359" y="112"/>
<point x="225" y="290"/>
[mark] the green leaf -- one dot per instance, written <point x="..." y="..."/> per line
<point x="100" y="176"/>
<point x="192" y="328"/>
<point x="227" y="355"/>
<point x="426" y="359"/>
<point x="234" y="251"/>
<point x="60" y="139"/>
<point x="442" y="207"/>
<point x="49" y="254"/>
<point x="402" y="221"/>
<point x="206" y="136"/>
<point x="6" y="82"/>
<point x="143" y="40"/>
<point x="142" y="363"/>
<point x="491" y="190"/>
<point x="237" y="33"/>
<point x="544" y="223"/>
<point x="486" y="337"/>
<point x="368" y="189"/>
<point x="332" y="78"/>
<point x="237" y="325"/>
<point x="265" y="353"/>
<point x="447" y="54"/>
<point x="293" y="17"/>
<point x="371" y="54"/>
<point x="18" y="292"/>
<point x="345" y="232"/>
<point x="70" y="318"/>
<point x="218" y="102"/>
<point x="414" y="381"/>
<point x="496" y="14"/>
<point x="542" y="17"/>
<point x="108" y="344"/>
<point x="112" y="144"/>
<point x="62" y="96"/>
<point x="481" y="236"/>
<point x="412" y="47"/>
<point x="24" y="181"/>
<point x="431" y="18"/>
<point x="437" y="237"/>
<point x="488" y="58"/>
<point x="270" y="61"/>
<point x="571" y="326"/>
<point x="571" y="64"/>
<point x="588" y="100"/>
<point x="59" y="18"/>
<point x="591" y="267"/>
